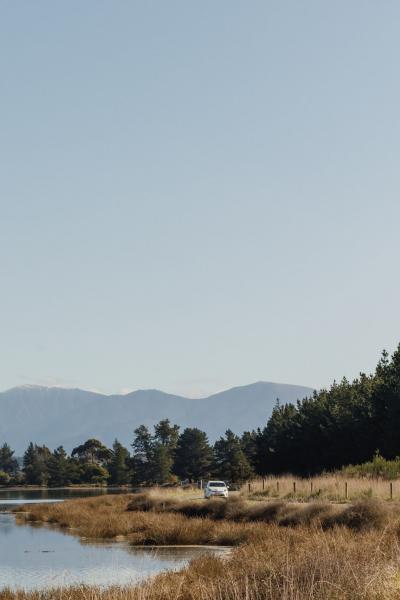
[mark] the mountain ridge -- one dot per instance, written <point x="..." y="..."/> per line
<point x="36" y="386"/>
<point x="55" y="415"/>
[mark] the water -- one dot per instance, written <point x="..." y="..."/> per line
<point x="14" y="497"/>
<point x="37" y="557"/>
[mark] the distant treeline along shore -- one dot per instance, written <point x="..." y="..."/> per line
<point x="346" y="424"/>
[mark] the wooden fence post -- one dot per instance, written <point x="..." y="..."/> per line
<point x="311" y="486"/>
<point x="277" y="487"/>
<point x="346" y="495"/>
<point x="391" y="490"/>
<point x="294" y="487"/>
<point x="249" y="484"/>
<point x="263" y="483"/>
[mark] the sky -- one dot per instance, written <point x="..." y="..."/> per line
<point x="195" y="196"/>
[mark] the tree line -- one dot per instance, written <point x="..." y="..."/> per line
<point x="346" y="424"/>
<point x="161" y="456"/>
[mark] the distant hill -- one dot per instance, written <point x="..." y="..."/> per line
<point x="55" y="416"/>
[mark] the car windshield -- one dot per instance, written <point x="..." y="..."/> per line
<point x="216" y="484"/>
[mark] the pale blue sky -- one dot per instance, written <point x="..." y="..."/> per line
<point x="198" y="195"/>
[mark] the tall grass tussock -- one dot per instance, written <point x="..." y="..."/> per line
<point x="364" y="514"/>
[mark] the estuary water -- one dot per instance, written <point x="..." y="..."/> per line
<point x="14" y="497"/>
<point x="35" y="557"/>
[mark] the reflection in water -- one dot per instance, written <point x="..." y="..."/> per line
<point x="40" y="557"/>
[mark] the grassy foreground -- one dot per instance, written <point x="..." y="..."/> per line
<point x="304" y="559"/>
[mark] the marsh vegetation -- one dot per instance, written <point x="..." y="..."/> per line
<point x="283" y="550"/>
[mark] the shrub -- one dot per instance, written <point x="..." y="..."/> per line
<point x="361" y="516"/>
<point x="378" y="467"/>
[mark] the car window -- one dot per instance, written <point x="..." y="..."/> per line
<point x="216" y="484"/>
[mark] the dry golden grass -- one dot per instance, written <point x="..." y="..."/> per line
<point x="363" y="514"/>
<point x="152" y="519"/>
<point x="325" y="487"/>
<point x="108" y="517"/>
<point x="300" y="561"/>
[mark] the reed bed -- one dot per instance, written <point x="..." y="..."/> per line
<point x="363" y="514"/>
<point x="153" y="519"/>
<point x="107" y="517"/>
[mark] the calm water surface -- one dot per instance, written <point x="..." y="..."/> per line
<point x="34" y="557"/>
<point x="14" y="497"/>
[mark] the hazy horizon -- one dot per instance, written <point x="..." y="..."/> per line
<point x="126" y="392"/>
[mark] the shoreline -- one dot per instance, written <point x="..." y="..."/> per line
<point x="36" y="488"/>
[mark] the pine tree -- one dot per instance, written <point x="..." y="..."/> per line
<point x="249" y="442"/>
<point x="160" y="464"/>
<point x="230" y="461"/>
<point x="140" y="461"/>
<point x="167" y="434"/>
<point x="193" y="455"/>
<point x="60" y="468"/>
<point x="8" y="463"/>
<point x="154" y="454"/>
<point x="163" y="451"/>
<point x="118" y="467"/>
<point x="36" y="459"/>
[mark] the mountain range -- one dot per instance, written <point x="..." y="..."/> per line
<point x="60" y="416"/>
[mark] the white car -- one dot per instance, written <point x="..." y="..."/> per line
<point x="216" y="488"/>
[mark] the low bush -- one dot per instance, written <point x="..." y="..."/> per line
<point x="361" y="516"/>
<point x="378" y="467"/>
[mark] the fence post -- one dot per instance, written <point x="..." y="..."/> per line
<point x="311" y="486"/>
<point x="249" y="484"/>
<point x="277" y="487"/>
<point x="294" y="487"/>
<point x="391" y="490"/>
<point x="263" y="484"/>
<point x="346" y="495"/>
